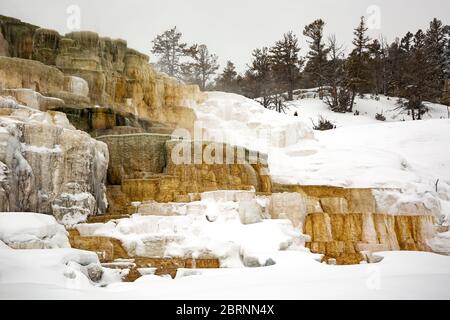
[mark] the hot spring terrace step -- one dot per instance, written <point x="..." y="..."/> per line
<point x="113" y="255"/>
<point x="106" y="218"/>
<point x="161" y="266"/>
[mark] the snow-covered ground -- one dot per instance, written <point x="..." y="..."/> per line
<point x="55" y="274"/>
<point x="412" y="156"/>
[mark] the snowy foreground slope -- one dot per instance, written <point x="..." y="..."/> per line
<point x="55" y="274"/>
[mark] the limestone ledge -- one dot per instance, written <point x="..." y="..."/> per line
<point x="344" y="237"/>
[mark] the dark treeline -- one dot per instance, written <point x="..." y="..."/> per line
<point x="415" y="68"/>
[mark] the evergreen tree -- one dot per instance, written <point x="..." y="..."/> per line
<point x="170" y="50"/>
<point x="260" y="73"/>
<point x="317" y="55"/>
<point x="202" y="67"/>
<point x="227" y="80"/>
<point x="356" y="66"/>
<point x="286" y="63"/>
<point x="376" y="58"/>
<point x="436" y="42"/>
<point x="419" y="78"/>
<point x="397" y="64"/>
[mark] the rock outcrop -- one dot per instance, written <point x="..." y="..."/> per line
<point x="344" y="223"/>
<point x="344" y="237"/>
<point x="85" y="71"/>
<point x="142" y="168"/>
<point x="104" y="88"/>
<point x="49" y="167"/>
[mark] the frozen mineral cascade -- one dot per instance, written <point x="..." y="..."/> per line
<point x="48" y="166"/>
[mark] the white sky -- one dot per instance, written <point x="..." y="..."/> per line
<point x="230" y="28"/>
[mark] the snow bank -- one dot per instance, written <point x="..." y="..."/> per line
<point x="53" y="269"/>
<point x="234" y="119"/>
<point x="441" y="243"/>
<point x="25" y="230"/>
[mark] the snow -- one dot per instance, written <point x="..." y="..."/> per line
<point x="403" y="160"/>
<point x="45" y="274"/>
<point x="407" y="156"/>
<point x="50" y="268"/>
<point x="227" y="230"/>
<point x="236" y="120"/>
<point x="297" y="274"/>
<point x="441" y="243"/>
<point x="32" y="230"/>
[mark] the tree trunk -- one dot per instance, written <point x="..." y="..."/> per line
<point x="352" y="101"/>
<point x="291" y="91"/>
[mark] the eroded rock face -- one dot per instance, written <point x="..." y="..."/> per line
<point x="135" y="156"/>
<point x="145" y="166"/>
<point x="289" y="205"/>
<point x="115" y="77"/>
<point x="19" y="36"/>
<point x="347" y="224"/>
<point x="344" y="236"/>
<point x="47" y="166"/>
<point x="207" y="166"/>
<point x="18" y="73"/>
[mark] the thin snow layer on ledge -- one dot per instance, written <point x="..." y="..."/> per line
<point x="236" y="233"/>
<point x="26" y="230"/>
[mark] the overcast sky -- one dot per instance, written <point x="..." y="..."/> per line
<point x="230" y="28"/>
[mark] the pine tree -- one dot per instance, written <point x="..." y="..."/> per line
<point x="227" y="80"/>
<point x="317" y="55"/>
<point x="203" y="66"/>
<point x="418" y="77"/>
<point x="396" y="62"/>
<point x="171" y="50"/>
<point x="376" y="58"/>
<point x="356" y="66"/>
<point x="286" y="63"/>
<point x="260" y="73"/>
<point x="435" y="43"/>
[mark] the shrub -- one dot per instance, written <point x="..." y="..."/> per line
<point x="380" y="117"/>
<point x="323" y="124"/>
